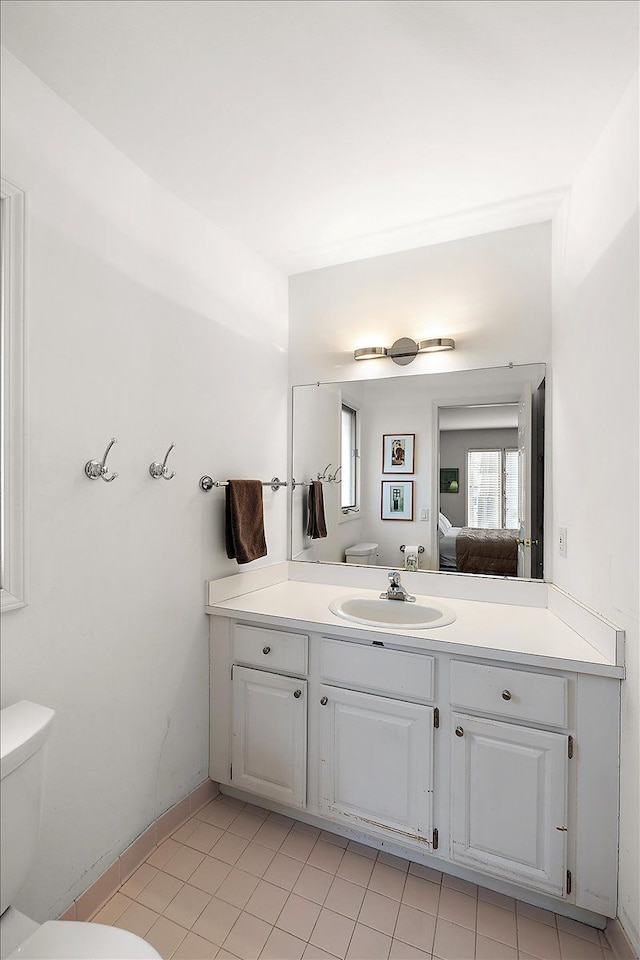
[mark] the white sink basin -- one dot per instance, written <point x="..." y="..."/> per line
<point x="401" y="614"/>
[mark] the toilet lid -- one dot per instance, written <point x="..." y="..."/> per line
<point x="66" y="940"/>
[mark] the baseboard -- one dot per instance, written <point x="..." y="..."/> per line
<point x="621" y="945"/>
<point x="94" y="897"/>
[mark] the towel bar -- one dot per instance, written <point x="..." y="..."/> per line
<point x="206" y="483"/>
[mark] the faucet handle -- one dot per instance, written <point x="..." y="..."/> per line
<point x="394" y="577"/>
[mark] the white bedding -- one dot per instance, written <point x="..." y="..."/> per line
<point x="448" y="549"/>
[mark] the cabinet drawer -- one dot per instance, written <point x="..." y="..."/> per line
<point x="509" y="693"/>
<point x="377" y="669"/>
<point x="270" y="649"/>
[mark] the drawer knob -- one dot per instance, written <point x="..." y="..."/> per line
<point x="506" y="695"/>
<point x="266" y="650"/>
<point x="324" y="701"/>
<point x="459" y="732"/>
<point x="297" y="694"/>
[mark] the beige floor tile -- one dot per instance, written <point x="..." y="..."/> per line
<point x="487" y="949"/>
<point x="404" y="951"/>
<point x="457" y="908"/>
<point x="426" y="873"/>
<point x="538" y="939"/>
<point x="281" y="820"/>
<point x="185" y="830"/>
<point x="248" y="937"/>
<point x="422" y="894"/>
<point x="229" y="848"/>
<point x="329" y="837"/>
<point x="237" y="888"/>
<point x="183" y="862"/>
<point x="299" y="917"/>
<point x="219" y="814"/>
<point x="267" y="901"/>
<point x="453" y="942"/>
<point x="345" y="897"/>
<point x="112" y="909"/>
<point x="194" y="947"/>
<point x="415" y="927"/>
<point x="462" y="886"/>
<point x="308" y="828"/>
<point x="137" y="919"/>
<point x="332" y="933"/>
<point x="210" y="874"/>
<point x="496" y="923"/>
<point x="499" y="899"/>
<point x="313" y="884"/>
<point x="187" y="905"/>
<point x="368" y="944"/>
<point x="160" y="891"/>
<point x="577" y="929"/>
<point x="362" y="849"/>
<point x="326" y="856"/>
<point x="392" y="861"/>
<point x="355" y="868"/>
<point x="297" y="845"/>
<point x="271" y="834"/>
<point x="246" y="825"/>
<point x="283" y="871"/>
<point x="204" y="837"/>
<point x="166" y="936"/>
<point x="255" y="859"/>
<point x="216" y="921"/>
<point x="315" y="953"/>
<point x="283" y="946"/>
<point x="225" y="955"/>
<point x="163" y="853"/>
<point x="535" y="913"/>
<point x="231" y="801"/>
<point x="256" y="811"/>
<point x="138" y="880"/>
<point x="387" y="880"/>
<point x="379" y="912"/>
<point x="577" y="948"/>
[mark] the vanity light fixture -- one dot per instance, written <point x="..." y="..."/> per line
<point x="405" y="350"/>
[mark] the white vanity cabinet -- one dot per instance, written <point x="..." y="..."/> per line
<point x="498" y="771"/>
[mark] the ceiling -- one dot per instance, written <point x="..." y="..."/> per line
<point x="320" y="131"/>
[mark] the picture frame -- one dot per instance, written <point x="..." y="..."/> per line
<point x="396" y="499"/>
<point x="398" y="452"/>
<point x="449" y="480"/>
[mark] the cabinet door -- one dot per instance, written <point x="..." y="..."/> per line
<point x="509" y="801"/>
<point x="269" y="743"/>
<point x="376" y="761"/>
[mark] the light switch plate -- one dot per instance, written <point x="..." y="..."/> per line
<point x="562" y="541"/>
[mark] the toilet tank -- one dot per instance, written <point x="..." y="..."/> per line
<point x="362" y="553"/>
<point x="24" y="728"/>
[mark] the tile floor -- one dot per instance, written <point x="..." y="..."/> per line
<point x="236" y="881"/>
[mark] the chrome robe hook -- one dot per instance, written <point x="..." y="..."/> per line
<point x="98" y="468"/>
<point x="158" y="470"/>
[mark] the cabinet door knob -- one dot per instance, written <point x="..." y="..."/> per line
<point x="459" y="732"/>
<point x="324" y="701"/>
<point x="297" y="694"/>
<point x="506" y="695"/>
<point x="266" y="650"/>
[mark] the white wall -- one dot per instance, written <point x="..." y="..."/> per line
<point x="148" y="324"/>
<point x="596" y="425"/>
<point x="491" y="293"/>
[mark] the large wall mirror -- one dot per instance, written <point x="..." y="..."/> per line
<point x="443" y="471"/>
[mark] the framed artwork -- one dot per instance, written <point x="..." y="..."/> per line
<point x="398" y="452"/>
<point x="396" y="500"/>
<point x="449" y="480"/>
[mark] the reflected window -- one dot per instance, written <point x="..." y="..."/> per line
<point x="349" y="458"/>
<point x="492" y="489"/>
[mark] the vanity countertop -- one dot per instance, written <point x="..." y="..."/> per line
<point x="497" y="631"/>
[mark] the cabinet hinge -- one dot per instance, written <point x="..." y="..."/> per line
<point x="568" y="882"/>
<point x="232" y="671"/>
<point x="436" y="718"/>
<point x="570" y="747"/>
<point x="434" y="839"/>
<point x="231" y="772"/>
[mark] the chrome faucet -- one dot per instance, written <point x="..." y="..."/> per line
<point x="395" y="590"/>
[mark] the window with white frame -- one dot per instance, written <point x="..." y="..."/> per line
<point x="349" y="459"/>
<point x="12" y="422"/>
<point x="492" y="489"/>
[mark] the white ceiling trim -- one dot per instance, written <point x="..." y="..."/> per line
<point x="535" y="208"/>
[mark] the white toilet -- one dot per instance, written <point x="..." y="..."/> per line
<point x="362" y="553"/>
<point x="24" y="728"/>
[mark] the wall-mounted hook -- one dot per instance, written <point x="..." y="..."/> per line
<point x="334" y="478"/>
<point x="98" y="468"/>
<point x="158" y="470"/>
<point x="323" y="475"/>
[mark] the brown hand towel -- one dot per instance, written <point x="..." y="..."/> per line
<point x="316" y="523"/>
<point x="244" y="521"/>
